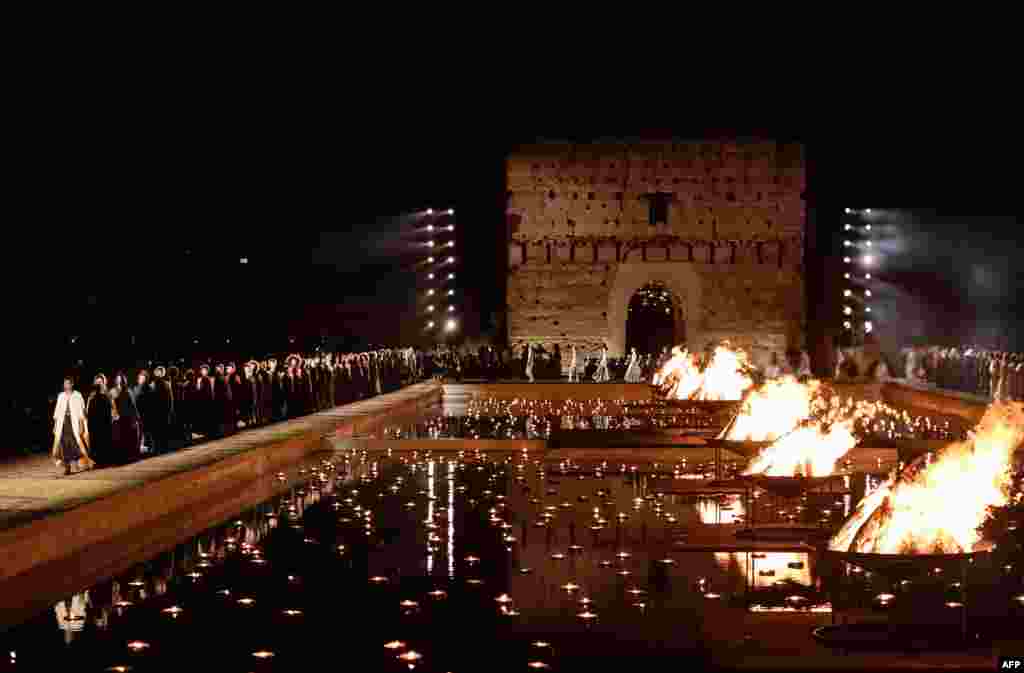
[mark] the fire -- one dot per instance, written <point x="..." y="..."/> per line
<point x="807" y="451"/>
<point x="809" y="433"/>
<point x="936" y="505"/>
<point x="725" y="377"/>
<point x="774" y="409"/>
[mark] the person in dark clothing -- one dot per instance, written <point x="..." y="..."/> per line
<point x="127" y="436"/>
<point x="281" y="393"/>
<point x="249" y="409"/>
<point x="160" y="403"/>
<point x="203" y="407"/>
<point x="140" y="393"/>
<point x="239" y="403"/>
<point x="100" y="417"/>
<point x="224" y="407"/>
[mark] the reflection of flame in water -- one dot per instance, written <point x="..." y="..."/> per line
<point x="775" y="566"/>
<point x="809" y="434"/>
<point x="724" y="378"/>
<point x="936" y="506"/>
<point x="711" y="512"/>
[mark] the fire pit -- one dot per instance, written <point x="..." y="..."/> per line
<point x="895" y="566"/>
<point x="788" y="487"/>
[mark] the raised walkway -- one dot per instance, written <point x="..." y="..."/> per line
<point x="46" y="517"/>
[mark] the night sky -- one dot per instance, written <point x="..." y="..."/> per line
<point x="131" y="222"/>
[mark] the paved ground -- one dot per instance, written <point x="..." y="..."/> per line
<point x="32" y="486"/>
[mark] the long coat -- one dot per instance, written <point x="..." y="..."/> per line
<point x="79" y="424"/>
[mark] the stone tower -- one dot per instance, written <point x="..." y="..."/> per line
<point x="721" y="224"/>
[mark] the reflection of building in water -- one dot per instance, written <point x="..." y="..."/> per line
<point x="764" y="569"/>
<point x="726" y="510"/>
<point x="71" y="615"/>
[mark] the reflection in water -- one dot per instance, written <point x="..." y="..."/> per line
<point x="766" y="569"/>
<point x="154" y="577"/>
<point x="725" y="510"/>
<point x="451" y="520"/>
<point x="432" y="491"/>
<point x="71" y="615"/>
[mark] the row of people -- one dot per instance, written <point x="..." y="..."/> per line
<point x="117" y="421"/>
<point x="977" y="370"/>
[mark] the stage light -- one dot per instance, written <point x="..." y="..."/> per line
<point x="868" y="326"/>
<point x="846" y="260"/>
<point x="430" y="276"/>
<point x="451" y="211"/>
<point x="847" y="325"/>
<point x="867" y="293"/>
<point x="847" y="244"/>
<point x="451" y="227"/>
<point x="430" y="227"/>
<point x="430" y="308"/>
<point x="867" y="211"/>
<point x="430" y="260"/>
<point x="867" y="227"/>
<point x="451" y="244"/>
<point x="868" y="259"/>
<point x="451" y="259"/>
<point x="847" y="293"/>
<point x="430" y="324"/>
<point x="847" y="310"/>
<point x="430" y="292"/>
<point x="451" y="308"/>
<point x="450" y="276"/>
<point x="450" y="325"/>
<point x="451" y="292"/>
<point x="846" y="276"/>
<point x="849" y="210"/>
<point x="848" y="227"/>
<point x="430" y="211"/>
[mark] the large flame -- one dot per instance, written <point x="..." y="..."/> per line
<point x="725" y="377"/>
<point x="936" y="505"/>
<point x="774" y="409"/>
<point x="809" y="433"/>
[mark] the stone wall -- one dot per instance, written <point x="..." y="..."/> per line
<point x="730" y="251"/>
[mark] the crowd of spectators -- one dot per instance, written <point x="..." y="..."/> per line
<point x="980" y="371"/>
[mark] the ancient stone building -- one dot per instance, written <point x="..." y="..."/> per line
<point x="721" y="224"/>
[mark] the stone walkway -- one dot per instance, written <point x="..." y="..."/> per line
<point x="32" y="487"/>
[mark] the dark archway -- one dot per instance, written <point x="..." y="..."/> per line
<point x="651" y="319"/>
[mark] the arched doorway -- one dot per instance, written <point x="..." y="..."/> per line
<point x="651" y="320"/>
<point x="683" y="286"/>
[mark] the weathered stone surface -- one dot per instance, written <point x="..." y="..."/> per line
<point x="581" y="241"/>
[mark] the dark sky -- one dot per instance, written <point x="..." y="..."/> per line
<point x="129" y="213"/>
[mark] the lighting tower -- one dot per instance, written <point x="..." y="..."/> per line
<point x="440" y="299"/>
<point x="860" y="257"/>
